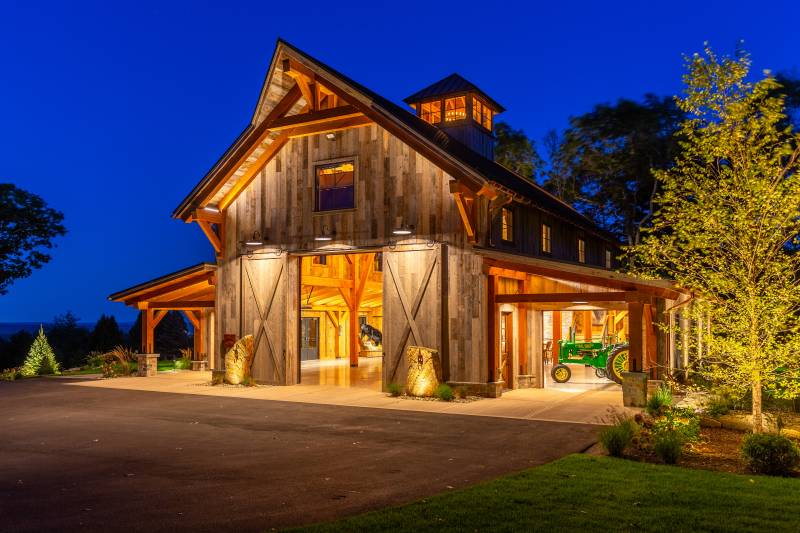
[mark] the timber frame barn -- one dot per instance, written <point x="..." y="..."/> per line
<point x="337" y="209"/>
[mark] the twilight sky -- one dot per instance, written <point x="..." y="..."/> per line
<point x="113" y="111"/>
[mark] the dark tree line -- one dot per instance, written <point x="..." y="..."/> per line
<point x="72" y="342"/>
<point x="602" y="162"/>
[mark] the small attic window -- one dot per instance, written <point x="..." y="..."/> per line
<point x="455" y="108"/>
<point x="481" y="113"/>
<point x="431" y="112"/>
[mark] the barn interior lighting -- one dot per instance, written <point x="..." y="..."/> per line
<point x="403" y="230"/>
<point x="325" y="236"/>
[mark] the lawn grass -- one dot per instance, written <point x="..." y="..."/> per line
<point x="589" y="493"/>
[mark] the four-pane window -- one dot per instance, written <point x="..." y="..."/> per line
<point x="431" y="112"/>
<point x="455" y="108"/>
<point x="335" y="186"/>
<point x="581" y="250"/>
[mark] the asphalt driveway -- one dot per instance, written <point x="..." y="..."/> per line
<point x="100" y="459"/>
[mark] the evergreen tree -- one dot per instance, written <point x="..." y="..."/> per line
<point x="727" y="228"/>
<point x="106" y="334"/>
<point x="70" y="341"/>
<point x="41" y="359"/>
<point x="14" y="349"/>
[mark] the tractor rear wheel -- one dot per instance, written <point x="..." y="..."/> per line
<point x="561" y="373"/>
<point x="617" y="363"/>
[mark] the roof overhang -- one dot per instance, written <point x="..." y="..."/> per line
<point x="189" y="288"/>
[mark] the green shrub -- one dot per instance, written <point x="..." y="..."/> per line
<point x="394" y="389"/>
<point x="770" y="454"/>
<point x="461" y="392"/>
<point x="717" y="406"/>
<point x="617" y="437"/>
<point x="95" y="359"/>
<point x="117" y="362"/>
<point x="668" y="446"/>
<point x="445" y="392"/>
<point x="683" y="421"/>
<point x="10" y="374"/>
<point x="659" y="401"/>
<point x="183" y="364"/>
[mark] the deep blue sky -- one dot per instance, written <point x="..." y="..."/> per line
<point x="113" y="112"/>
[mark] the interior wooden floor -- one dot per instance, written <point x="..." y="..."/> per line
<point x="339" y="373"/>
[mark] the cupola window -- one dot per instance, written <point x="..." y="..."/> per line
<point x="455" y="108"/>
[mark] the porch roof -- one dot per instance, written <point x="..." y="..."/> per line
<point x="189" y="288"/>
<point x="601" y="277"/>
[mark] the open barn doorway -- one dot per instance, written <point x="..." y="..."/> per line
<point x="583" y="338"/>
<point x="341" y="320"/>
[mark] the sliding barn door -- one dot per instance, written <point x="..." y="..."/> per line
<point x="413" y="314"/>
<point x="270" y="312"/>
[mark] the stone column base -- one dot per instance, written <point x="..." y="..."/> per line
<point x="634" y="389"/>
<point x="147" y="364"/>
<point x="201" y="365"/>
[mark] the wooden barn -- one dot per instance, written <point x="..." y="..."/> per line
<point x="347" y="228"/>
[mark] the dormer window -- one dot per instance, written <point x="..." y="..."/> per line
<point x="455" y="108"/>
<point x="481" y="113"/>
<point x="431" y="111"/>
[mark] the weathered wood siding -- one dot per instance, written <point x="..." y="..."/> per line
<point x="394" y="185"/>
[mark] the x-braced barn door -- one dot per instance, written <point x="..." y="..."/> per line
<point x="413" y="299"/>
<point x="270" y="312"/>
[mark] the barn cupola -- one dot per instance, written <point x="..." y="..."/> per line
<point x="458" y="107"/>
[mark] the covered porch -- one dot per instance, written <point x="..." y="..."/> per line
<point x="190" y="291"/>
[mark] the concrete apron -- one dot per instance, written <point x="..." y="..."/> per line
<point x="580" y="407"/>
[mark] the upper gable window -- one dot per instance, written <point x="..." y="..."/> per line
<point x="431" y="112"/>
<point x="481" y="113"/>
<point x="455" y="108"/>
<point x="609" y="259"/>
<point x="581" y="250"/>
<point x="335" y="186"/>
<point x="507" y="230"/>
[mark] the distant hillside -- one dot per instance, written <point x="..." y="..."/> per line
<point x="9" y="328"/>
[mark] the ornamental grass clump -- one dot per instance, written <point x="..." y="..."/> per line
<point x="615" y="439"/>
<point x="668" y="446"/>
<point x="184" y="362"/>
<point x="445" y="392"/>
<point x="117" y="362"/>
<point x="394" y="389"/>
<point x="659" y="401"/>
<point x="40" y="360"/>
<point x="770" y="454"/>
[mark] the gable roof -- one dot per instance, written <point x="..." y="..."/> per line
<point x="454" y="83"/>
<point x="455" y="158"/>
<point x="198" y="276"/>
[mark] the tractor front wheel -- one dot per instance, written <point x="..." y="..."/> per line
<point x="561" y="373"/>
<point x="617" y="363"/>
<point x="600" y="373"/>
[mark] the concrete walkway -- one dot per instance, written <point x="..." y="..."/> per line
<point x="594" y="406"/>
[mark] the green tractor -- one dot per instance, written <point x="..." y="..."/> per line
<point x="608" y="358"/>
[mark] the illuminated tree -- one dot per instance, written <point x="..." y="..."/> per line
<point x="41" y="359"/>
<point x="727" y="226"/>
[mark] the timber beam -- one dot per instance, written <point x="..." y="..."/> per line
<point x="178" y="305"/>
<point x="571" y="297"/>
<point x="315" y="118"/>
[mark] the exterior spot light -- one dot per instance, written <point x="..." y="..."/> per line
<point x="580" y="302"/>
<point x="211" y="209"/>
<point x="330" y="136"/>
<point x="325" y="236"/>
<point x="403" y="230"/>
<point x="255" y="240"/>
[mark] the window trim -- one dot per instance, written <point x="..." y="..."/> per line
<point x="328" y="162"/>
<point x="549" y="239"/>
<point x="609" y="258"/>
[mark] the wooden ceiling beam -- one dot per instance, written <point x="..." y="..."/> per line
<point x="181" y="305"/>
<point x="335" y="125"/>
<point x="569" y="297"/>
<point x="316" y="117"/>
<point x="214" y="217"/>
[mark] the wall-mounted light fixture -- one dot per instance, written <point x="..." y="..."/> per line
<point x="330" y="136"/>
<point x="405" y="229"/>
<point x="325" y="235"/>
<point x="580" y="302"/>
<point x="255" y="240"/>
<point x="211" y="209"/>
